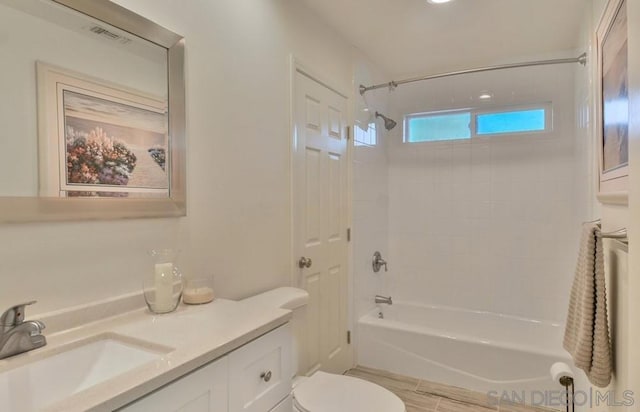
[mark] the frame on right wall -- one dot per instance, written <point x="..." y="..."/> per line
<point x="612" y="123"/>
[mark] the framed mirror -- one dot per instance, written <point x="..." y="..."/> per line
<point x="93" y="109"/>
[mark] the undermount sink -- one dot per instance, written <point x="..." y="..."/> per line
<point x="79" y="366"/>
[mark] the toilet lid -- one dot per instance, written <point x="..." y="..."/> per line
<point x="324" y="392"/>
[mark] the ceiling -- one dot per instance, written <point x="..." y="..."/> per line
<point x="408" y="37"/>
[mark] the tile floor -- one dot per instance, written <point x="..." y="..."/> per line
<point x="423" y="396"/>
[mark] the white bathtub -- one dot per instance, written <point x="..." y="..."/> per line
<point x="480" y="351"/>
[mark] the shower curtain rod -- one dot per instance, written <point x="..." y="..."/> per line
<point x="582" y="59"/>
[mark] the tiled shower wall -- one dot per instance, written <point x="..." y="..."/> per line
<point x="370" y="228"/>
<point x="493" y="223"/>
<point x="370" y="194"/>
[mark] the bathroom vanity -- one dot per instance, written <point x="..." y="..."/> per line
<point x="255" y="377"/>
<point x="225" y="356"/>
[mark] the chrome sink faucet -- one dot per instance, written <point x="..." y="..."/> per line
<point x="384" y="299"/>
<point x="18" y="336"/>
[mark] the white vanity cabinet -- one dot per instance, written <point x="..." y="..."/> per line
<point x="253" y="378"/>
<point x="203" y="390"/>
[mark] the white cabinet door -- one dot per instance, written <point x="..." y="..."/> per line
<point x="204" y="390"/>
<point x="260" y="372"/>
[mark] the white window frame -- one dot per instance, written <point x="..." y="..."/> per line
<point x="473" y="124"/>
<point x="371" y="126"/>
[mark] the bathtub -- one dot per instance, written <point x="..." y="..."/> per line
<point x="481" y="351"/>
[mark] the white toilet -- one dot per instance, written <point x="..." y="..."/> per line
<point x="325" y="392"/>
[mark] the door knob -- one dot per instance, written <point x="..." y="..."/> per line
<point x="304" y="263"/>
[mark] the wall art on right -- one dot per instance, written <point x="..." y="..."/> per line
<point x="613" y="103"/>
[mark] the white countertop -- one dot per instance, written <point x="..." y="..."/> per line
<point x="194" y="336"/>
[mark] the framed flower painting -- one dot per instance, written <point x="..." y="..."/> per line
<point x="102" y="140"/>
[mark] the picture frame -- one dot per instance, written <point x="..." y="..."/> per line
<point x="612" y="104"/>
<point x="99" y="139"/>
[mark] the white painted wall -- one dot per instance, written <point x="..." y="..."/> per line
<point x="584" y="130"/>
<point x="238" y="225"/>
<point x="622" y="289"/>
<point x="633" y="337"/>
<point x="493" y="223"/>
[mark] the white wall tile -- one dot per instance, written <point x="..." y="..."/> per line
<point x="490" y="224"/>
<point x="371" y="200"/>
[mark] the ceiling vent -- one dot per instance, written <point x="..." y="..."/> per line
<point x="101" y="31"/>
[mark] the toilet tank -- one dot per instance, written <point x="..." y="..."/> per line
<point x="295" y="300"/>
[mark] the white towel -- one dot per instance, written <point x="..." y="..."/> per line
<point x="586" y="336"/>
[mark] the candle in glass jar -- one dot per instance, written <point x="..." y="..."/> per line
<point x="164" y="287"/>
<point x="197" y="295"/>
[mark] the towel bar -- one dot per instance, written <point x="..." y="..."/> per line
<point x="620" y="234"/>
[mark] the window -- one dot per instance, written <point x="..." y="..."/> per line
<point x="518" y="121"/>
<point x="435" y="127"/>
<point x="470" y="123"/>
<point x="368" y="138"/>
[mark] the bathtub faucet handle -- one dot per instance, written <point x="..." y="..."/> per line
<point x="378" y="262"/>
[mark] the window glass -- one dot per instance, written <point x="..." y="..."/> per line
<point x="435" y="127"/>
<point x="517" y="121"/>
<point x="467" y="124"/>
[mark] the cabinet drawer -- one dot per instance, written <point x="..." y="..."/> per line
<point x="260" y="372"/>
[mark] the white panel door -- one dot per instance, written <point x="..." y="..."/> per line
<point x="320" y="220"/>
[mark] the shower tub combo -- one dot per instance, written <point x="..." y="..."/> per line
<point x="481" y="351"/>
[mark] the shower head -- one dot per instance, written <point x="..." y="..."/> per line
<point x="388" y="123"/>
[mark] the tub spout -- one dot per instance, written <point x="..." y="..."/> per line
<point x="384" y="299"/>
